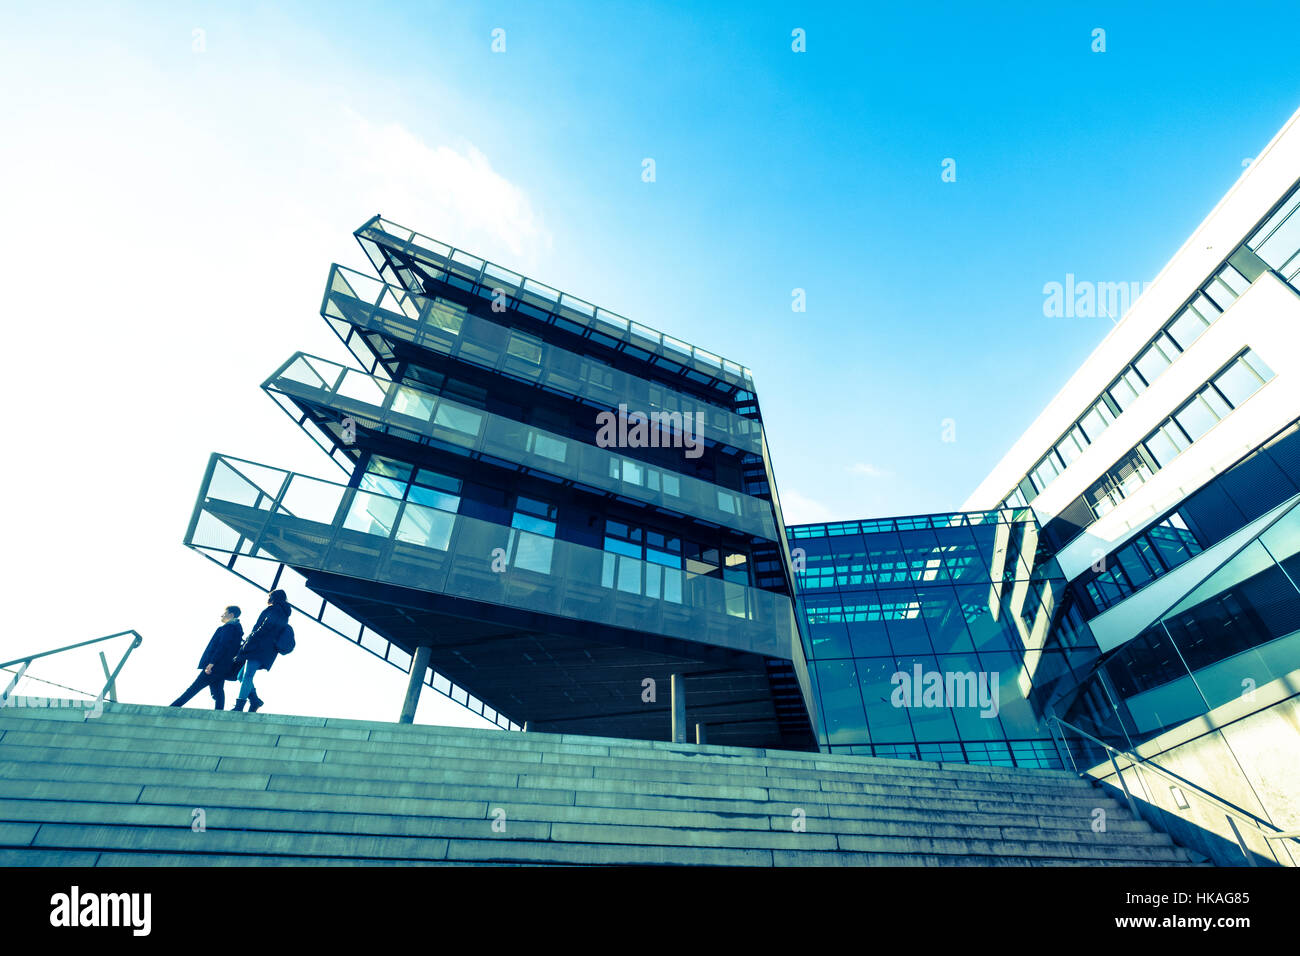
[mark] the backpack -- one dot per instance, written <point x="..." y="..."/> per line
<point x="284" y="643"/>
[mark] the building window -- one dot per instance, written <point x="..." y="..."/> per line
<point x="428" y="515"/>
<point x="1179" y="333"/>
<point x="642" y="561"/>
<point x="532" y="535"/>
<point x="1277" y="241"/>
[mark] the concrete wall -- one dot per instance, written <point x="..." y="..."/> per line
<point x="1245" y="752"/>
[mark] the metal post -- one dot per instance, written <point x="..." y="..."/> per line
<point x="1062" y="747"/>
<point x="4" y="698"/>
<point x="1241" y="842"/>
<point x="112" y="686"/>
<point x="419" y="666"/>
<point x="97" y="708"/>
<point x="699" y="734"/>
<point x="1127" y="796"/>
<point x="679" y="709"/>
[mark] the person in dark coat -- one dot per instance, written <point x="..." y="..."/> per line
<point x="215" y="666"/>
<point x="259" y="651"/>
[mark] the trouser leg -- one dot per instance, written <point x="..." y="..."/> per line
<point x="198" y="685"/>
<point x="218" y="688"/>
<point x="246" y="688"/>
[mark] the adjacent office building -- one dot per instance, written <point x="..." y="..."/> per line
<point x="1166" y="478"/>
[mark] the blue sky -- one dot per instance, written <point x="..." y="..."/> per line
<point x="178" y="197"/>
<point x="821" y="170"/>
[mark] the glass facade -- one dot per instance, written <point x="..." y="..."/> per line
<point x="930" y="636"/>
<point x="1226" y="390"/>
<point x="1277" y="241"/>
<point x="1234" y="631"/>
<point x="1247" y="490"/>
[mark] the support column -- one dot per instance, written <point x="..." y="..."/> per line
<point x="699" y="734"/>
<point x="414" y="683"/>
<point x="679" y="708"/>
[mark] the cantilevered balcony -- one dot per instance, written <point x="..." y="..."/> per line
<point x="407" y="258"/>
<point x="328" y="394"/>
<point x="374" y="319"/>
<point x="551" y="631"/>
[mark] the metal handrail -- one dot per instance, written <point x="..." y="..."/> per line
<point x="1138" y="761"/>
<point x="98" y="707"/>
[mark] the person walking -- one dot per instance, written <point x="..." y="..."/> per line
<point x="270" y="637"/>
<point x="215" y="666"/>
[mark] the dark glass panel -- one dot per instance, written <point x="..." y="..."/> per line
<point x="1009" y="680"/>
<point x="1133" y="564"/>
<point x="1092" y="710"/>
<point x="1211" y="514"/>
<point x="867" y="636"/>
<point x="1172" y="541"/>
<point x="1147" y="661"/>
<point x="987" y="631"/>
<point x="906" y="627"/>
<point x="826" y="628"/>
<point x="1262" y="607"/>
<point x="887" y="723"/>
<point x="945" y="620"/>
<point x="932" y="719"/>
<point x="1256" y="485"/>
<point x="841" y="702"/>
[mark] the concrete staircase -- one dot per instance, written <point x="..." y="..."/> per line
<point x="132" y="786"/>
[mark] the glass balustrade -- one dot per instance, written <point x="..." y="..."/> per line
<point x="306" y="522"/>
<point x="471" y="271"/>
<point x="393" y="405"/>
<point x="356" y="304"/>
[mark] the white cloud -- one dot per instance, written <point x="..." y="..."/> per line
<point x="450" y="193"/>
<point x="798" y="509"/>
<point x="867" y="470"/>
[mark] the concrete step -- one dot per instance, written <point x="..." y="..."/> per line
<point x="523" y="747"/>
<point x="567" y="843"/>
<point x="121" y="789"/>
<point x="626" y="780"/>
<point x="215" y="721"/>
<point x="91" y="782"/>
<point x="358" y="752"/>
<point x="535" y="822"/>
<point x="541" y="745"/>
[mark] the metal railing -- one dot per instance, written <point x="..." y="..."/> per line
<point x="480" y="273"/>
<point x="111" y="678"/>
<point x="1233" y="814"/>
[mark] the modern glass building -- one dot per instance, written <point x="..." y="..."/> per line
<point x="548" y="512"/>
<point x="552" y="514"/>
